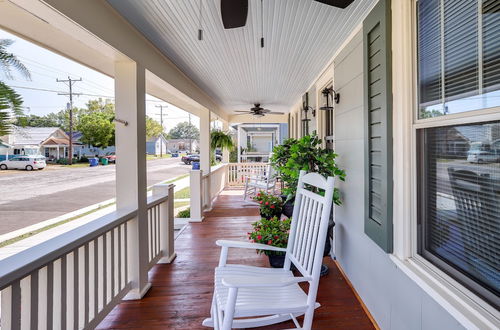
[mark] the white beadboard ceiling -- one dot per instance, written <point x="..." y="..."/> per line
<point x="301" y="36"/>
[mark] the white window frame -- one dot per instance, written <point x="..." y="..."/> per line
<point x="468" y="308"/>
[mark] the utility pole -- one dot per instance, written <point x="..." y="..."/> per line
<point x="69" y="82"/>
<point x="161" y="123"/>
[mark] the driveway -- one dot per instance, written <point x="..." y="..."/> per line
<point x="27" y="198"/>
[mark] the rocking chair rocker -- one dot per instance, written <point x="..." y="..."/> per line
<point x="248" y="296"/>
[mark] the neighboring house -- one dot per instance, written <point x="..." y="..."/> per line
<point x="89" y="150"/>
<point x="51" y="142"/>
<point x="156" y="145"/>
<point x="256" y="141"/>
<point x="183" y="145"/>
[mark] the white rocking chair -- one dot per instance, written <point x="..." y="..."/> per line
<point x="249" y="296"/>
<point x="256" y="182"/>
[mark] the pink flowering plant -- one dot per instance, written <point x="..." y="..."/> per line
<point x="270" y="205"/>
<point x="270" y="232"/>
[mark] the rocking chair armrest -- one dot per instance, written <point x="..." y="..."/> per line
<point x="248" y="245"/>
<point x="238" y="281"/>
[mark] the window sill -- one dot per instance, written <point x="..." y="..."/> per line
<point x="468" y="309"/>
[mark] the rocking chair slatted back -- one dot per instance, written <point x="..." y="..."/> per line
<point x="310" y="218"/>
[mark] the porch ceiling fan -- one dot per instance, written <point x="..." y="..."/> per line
<point x="258" y="111"/>
<point x="234" y="12"/>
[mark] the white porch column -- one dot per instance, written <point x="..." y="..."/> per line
<point x="225" y="152"/>
<point x="57" y="152"/>
<point x="238" y="144"/>
<point x="195" y="204"/>
<point x="205" y="142"/>
<point x="131" y="169"/>
<point x="166" y="222"/>
<point x="205" y="153"/>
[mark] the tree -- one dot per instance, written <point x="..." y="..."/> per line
<point x="97" y="129"/>
<point x="153" y="128"/>
<point x="10" y="101"/>
<point x="37" y="121"/>
<point x="184" y="130"/>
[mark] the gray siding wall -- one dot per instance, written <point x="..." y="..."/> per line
<point x="393" y="299"/>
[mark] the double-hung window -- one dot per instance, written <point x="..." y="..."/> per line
<point x="458" y="141"/>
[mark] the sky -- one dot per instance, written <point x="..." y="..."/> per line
<point x="40" y="94"/>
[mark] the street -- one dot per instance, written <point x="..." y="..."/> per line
<point x="27" y="198"/>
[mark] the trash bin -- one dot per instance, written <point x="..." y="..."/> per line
<point x="104" y="161"/>
<point x="175" y="155"/>
<point x="93" y="162"/>
<point x="195" y="165"/>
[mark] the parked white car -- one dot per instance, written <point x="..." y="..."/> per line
<point x="28" y="163"/>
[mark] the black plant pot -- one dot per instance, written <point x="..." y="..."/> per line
<point x="276" y="261"/>
<point x="276" y="214"/>
<point x="287" y="209"/>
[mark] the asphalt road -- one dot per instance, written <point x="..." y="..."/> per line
<point x="27" y="198"/>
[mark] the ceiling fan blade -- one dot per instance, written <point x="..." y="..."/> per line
<point x="276" y="113"/>
<point x="337" y="3"/>
<point x="234" y="13"/>
<point x="242" y="111"/>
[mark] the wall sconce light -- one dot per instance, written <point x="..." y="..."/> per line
<point x="326" y="93"/>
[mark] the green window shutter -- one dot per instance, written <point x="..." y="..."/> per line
<point x="378" y="124"/>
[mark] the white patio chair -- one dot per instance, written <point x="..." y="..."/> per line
<point x="249" y="296"/>
<point x="256" y="182"/>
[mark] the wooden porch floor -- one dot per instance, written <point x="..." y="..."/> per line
<point x="181" y="292"/>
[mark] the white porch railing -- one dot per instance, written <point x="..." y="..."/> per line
<point x="237" y="172"/>
<point x="204" y="189"/>
<point x="72" y="281"/>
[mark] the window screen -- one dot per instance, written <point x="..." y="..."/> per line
<point x="459" y="203"/>
<point x="458" y="56"/>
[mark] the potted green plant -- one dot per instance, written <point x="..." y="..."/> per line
<point x="273" y="232"/>
<point x="269" y="205"/>
<point x="306" y="154"/>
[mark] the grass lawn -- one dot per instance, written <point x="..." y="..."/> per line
<point x="176" y="178"/>
<point x="180" y="204"/>
<point x="183" y="193"/>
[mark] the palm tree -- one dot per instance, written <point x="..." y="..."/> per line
<point x="10" y="100"/>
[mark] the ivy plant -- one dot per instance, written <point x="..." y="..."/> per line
<point x="306" y="154"/>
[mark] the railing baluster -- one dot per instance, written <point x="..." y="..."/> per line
<point x="63" y="291"/>
<point x="34" y="300"/>
<point x="15" y="311"/>
<point x="112" y="263"/>
<point x="104" y="271"/>
<point x="50" y="295"/>
<point x="96" y="277"/>
<point x="119" y="258"/>
<point x="76" y="288"/>
<point x="86" y="300"/>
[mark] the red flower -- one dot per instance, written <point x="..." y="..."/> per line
<point x="267" y="203"/>
<point x="258" y="194"/>
<point x="276" y="237"/>
<point x="259" y="237"/>
<point x="272" y="206"/>
<point x="260" y="202"/>
<point x="269" y="242"/>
